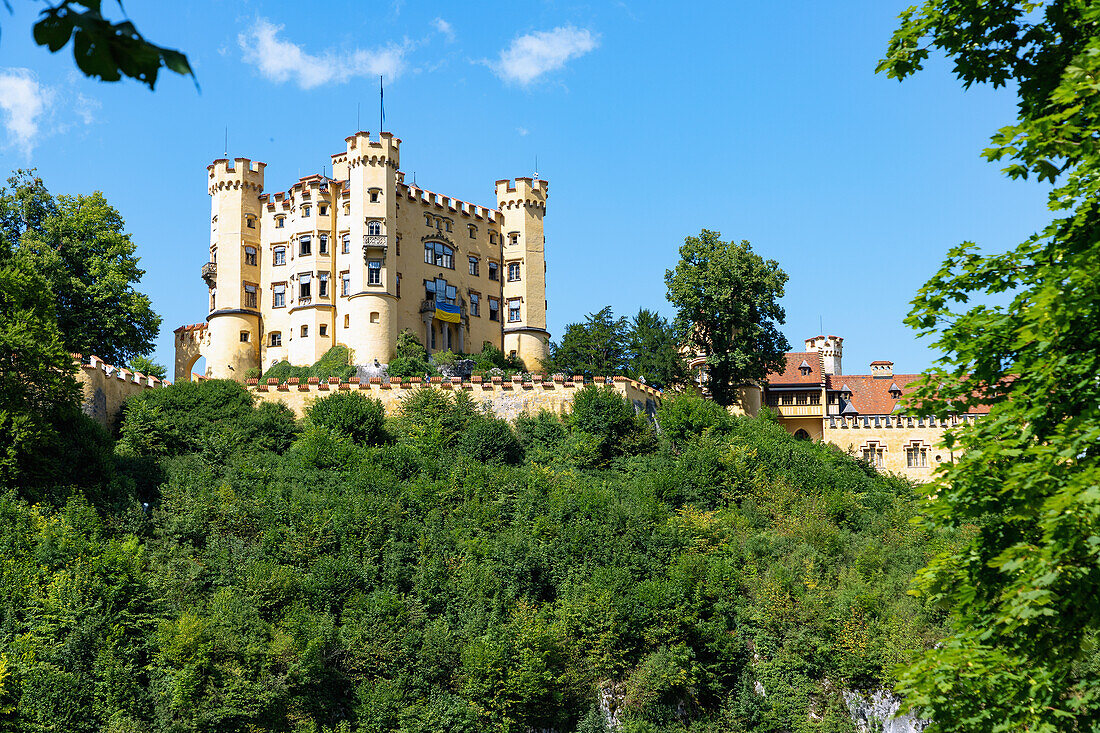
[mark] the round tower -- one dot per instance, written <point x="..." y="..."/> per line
<point x="831" y="349"/>
<point x="235" y="327"/>
<point x="371" y="304"/>
<point x="522" y="205"/>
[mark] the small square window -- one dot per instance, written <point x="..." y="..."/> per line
<point x="244" y="337"/>
<point x="280" y="222"/>
<point x="276" y="339"/>
<point x="306" y="210"/>
<point x="250" y="222"/>
<point x="323" y="329"/>
<point x="305" y="332"/>
<point x="322" y="210"/>
<point x="374" y="197"/>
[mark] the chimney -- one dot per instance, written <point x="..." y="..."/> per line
<point x="831" y="349"/>
<point x="882" y="369"/>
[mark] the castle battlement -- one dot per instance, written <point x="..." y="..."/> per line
<point x="523" y="192"/>
<point x="239" y="173"/>
<point x="386" y="150"/>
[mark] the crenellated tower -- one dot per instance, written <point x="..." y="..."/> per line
<point x="372" y="177"/>
<point x="523" y="205"/>
<point x="831" y="349"/>
<point x="233" y="274"/>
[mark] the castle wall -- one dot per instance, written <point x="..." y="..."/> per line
<point x="106" y="388"/>
<point x="508" y="399"/>
<point x="893" y="434"/>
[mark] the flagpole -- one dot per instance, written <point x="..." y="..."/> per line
<point x="381" y="106"/>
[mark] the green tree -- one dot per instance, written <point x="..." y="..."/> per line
<point x="79" y="245"/>
<point x="653" y="350"/>
<point x="595" y="347"/>
<point x="37" y="387"/>
<point x="148" y="367"/>
<point x="104" y="49"/>
<point x="351" y="414"/>
<point x="1023" y="593"/>
<point x="727" y="301"/>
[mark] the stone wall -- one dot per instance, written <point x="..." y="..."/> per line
<point x="106" y="387"/>
<point x="507" y="398"/>
<point x="894" y="434"/>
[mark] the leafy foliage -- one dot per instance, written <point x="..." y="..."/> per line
<point x="333" y="363"/>
<point x="148" y="367"/>
<point x="727" y="301"/>
<point x="1022" y="592"/>
<point x="104" y="49"/>
<point x="350" y="414"/>
<point x="644" y="347"/>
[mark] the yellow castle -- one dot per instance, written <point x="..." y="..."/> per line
<point x="355" y="259"/>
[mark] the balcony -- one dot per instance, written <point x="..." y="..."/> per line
<point x="210" y="273"/>
<point x="375" y="242"/>
<point x="798" y="410"/>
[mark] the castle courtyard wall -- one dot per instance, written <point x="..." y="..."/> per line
<point x="507" y="398"/>
<point x="106" y="388"/>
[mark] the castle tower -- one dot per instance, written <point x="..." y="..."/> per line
<point x="523" y="205"/>
<point x="831" y="349"/>
<point x="372" y="174"/>
<point x="232" y="275"/>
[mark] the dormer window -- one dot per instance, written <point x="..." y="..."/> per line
<point x="804" y="368"/>
<point x="895" y="390"/>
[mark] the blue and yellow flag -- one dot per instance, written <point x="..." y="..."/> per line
<point x="448" y="312"/>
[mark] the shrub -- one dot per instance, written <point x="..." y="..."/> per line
<point x="688" y="416"/>
<point x="541" y="436"/>
<point x="408" y="346"/>
<point x="609" y="419"/>
<point x="321" y="447"/>
<point x="360" y="418"/>
<point x="336" y="362"/>
<point x="491" y="441"/>
<point x="432" y="419"/>
<point x="404" y="367"/>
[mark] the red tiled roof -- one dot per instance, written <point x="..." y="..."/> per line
<point x="871" y="395"/>
<point x="792" y="373"/>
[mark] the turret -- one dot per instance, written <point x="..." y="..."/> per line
<point x="233" y="273"/>
<point x="372" y="175"/>
<point x="831" y="349"/>
<point x="523" y="205"/>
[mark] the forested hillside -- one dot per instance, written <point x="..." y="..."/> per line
<point x="441" y="570"/>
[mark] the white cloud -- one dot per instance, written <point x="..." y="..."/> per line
<point x="281" y="60"/>
<point x="87" y="107"/>
<point x="23" y="101"/>
<point x="445" y="28"/>
<point x="535" y="54"/>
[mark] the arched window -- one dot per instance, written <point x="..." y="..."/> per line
<point x="801" y="434"/>
<point x="374" y="228"/>
<point x="439" y="254"/>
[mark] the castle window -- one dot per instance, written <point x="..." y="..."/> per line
<point x="374" y="194"/>
<point x="427" y="220"/>
<point x="323" y="329"/>
<point x="249" y="296"/>
<point x="513" y="238"/>
<point x="801" y="434"/>
<point x="494" y="309"/>
<point x="250" y="255"/>
<point x="347" y="320"/>
<point x="322" y="285"/>
<point x="475" y="265"/>
<point x="494" y="271"/>
<point x="279" y="256"/>
<point x="374" y="272"/>
<point x="873" y="454"/>
<point x="280" y="222"/>
<point x="447" y="225"/>
<point x="213" y="297"/>
<point x="250" y="222"/>
<point x="374" y="317"/>
<point x="492" y="237"/>
<point x="398" y="284"/>
<point x="275" y="339"/>
<point x="278" y="296"/>
<point x="347" y="209"/>
<point x="513" y="272"/>
<point x="374" y="228"/>
<point x="305" y="332"/>
<point x="475" y="304"/>
<point x="440" y="255"/>
<point x="245" y="337"/>
<point x="322" y="210"/>
<point x="513" y="310"/>
<point x="306" y="210"/>
<point x="473" y="230"/>
<point x="801" y="398"/>
<point x="213" y="254"/>
<point x="815" y="398"/>
<point x="345" y="244"/>
<point x="322" y="245"/>
<point x="916" y="456"/>
<point x="304" y="285"/>
<point x="345" y="283"/>
<point x="305" y="246"/>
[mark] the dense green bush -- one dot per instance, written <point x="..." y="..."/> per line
<point x="333" y="363"/>
<point x="351" y="414"/>
<point x="466" y="576"/>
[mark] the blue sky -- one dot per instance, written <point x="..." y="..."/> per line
<point x="764" y="121"/>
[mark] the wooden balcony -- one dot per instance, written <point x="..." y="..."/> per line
<point x="799" y="410"/>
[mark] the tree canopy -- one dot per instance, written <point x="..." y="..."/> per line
<point x="79" y="246"/>
<point x="727" y="301"/>
<point x="1018" y="333"/>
